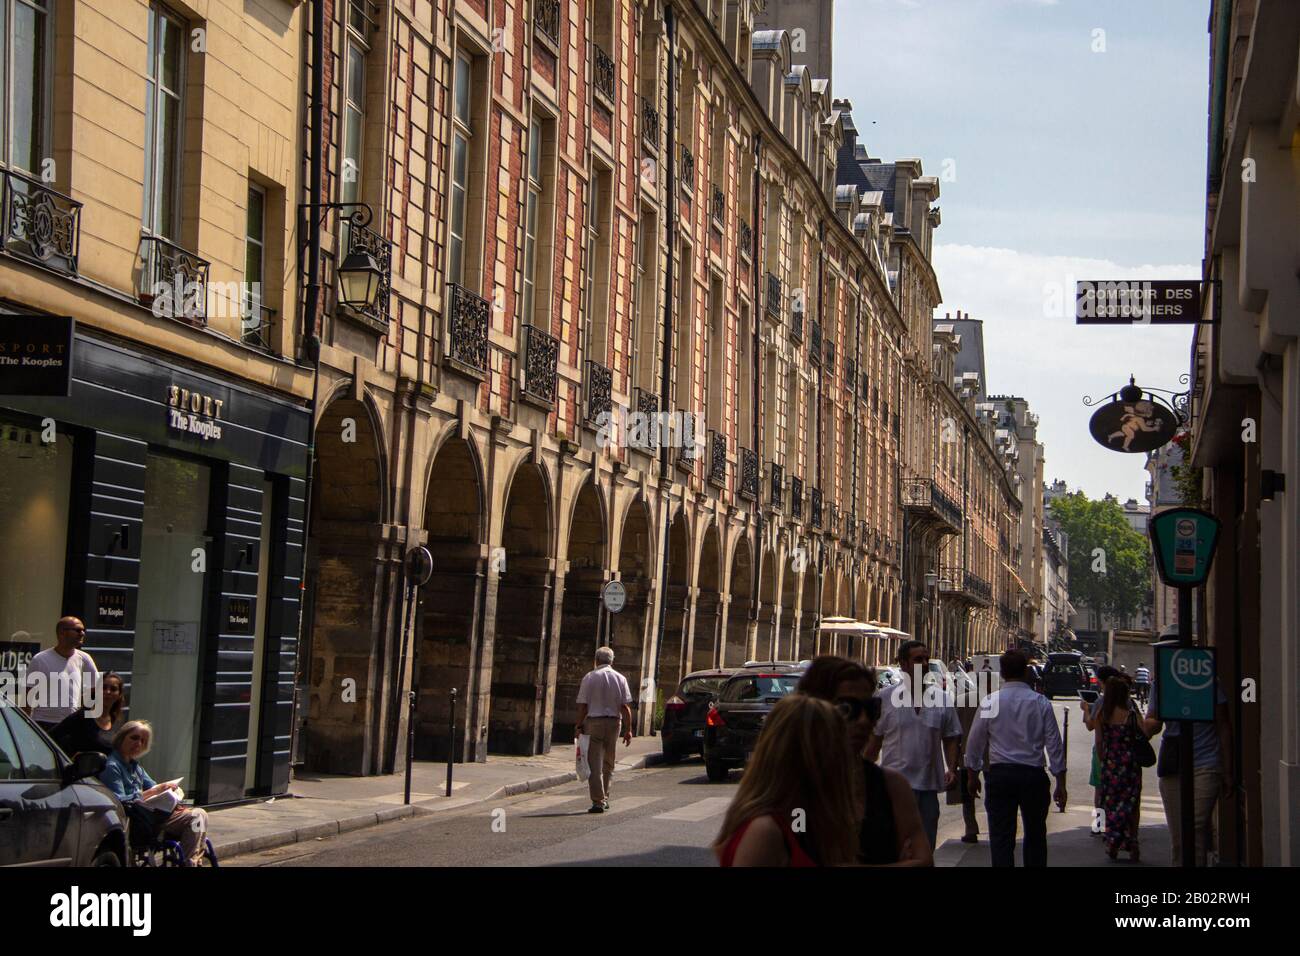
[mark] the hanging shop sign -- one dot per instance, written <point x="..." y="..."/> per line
<point x="1135" y="421"/>
<point x="1138" y="302"/>
<point x="36" y="354"/>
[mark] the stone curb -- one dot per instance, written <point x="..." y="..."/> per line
<point x="269" y="841"/>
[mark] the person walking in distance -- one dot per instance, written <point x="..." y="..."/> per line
<point x="1142" y="682"/>
<point x="917" y="734"/>
<point x="1016" y="724"/>
<point x="66" y="671"/>
<point x="603" y="701"/>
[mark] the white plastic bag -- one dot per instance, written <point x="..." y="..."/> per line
<point x="580" y="759"/>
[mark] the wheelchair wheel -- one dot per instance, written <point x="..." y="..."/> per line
<point x="172" y="854"/>
<point x="209" y="854"/>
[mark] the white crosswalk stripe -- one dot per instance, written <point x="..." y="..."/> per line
<point x="544" y="803"/>
<point x="697" y="811"/>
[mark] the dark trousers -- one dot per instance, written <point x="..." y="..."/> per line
<point x="1012" y="789"/>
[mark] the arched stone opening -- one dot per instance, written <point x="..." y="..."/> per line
<point x="807" y="643"/>
<point x="522" y="610"/>
<point x="787" y="638"/>
<point x="741" y="589"/>
<point x="676" y="621"/>
<point x="768" y="611"/>
<point x="344" y="592"/>
<point x="708" y="604"/>
<point x="828" y="644"/>
<point x="451" y="601"/>
<point x="581" y="625"/>
<point x="630" y="628"/>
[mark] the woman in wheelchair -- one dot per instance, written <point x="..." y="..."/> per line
<point x="123" y="774"/>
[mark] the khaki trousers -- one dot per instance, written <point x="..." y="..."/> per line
<point x="1205" y="785"/>
<point x="601" y="754"/>
<point x="188" y="826"/>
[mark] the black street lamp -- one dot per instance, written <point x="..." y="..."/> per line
<point x="359" y="278"/>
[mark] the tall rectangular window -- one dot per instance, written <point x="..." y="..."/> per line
<point x="162" y="122"/>
<point x="716" y="376"/>
<point x="599" y="228"/>
<point x="354" y="120"/>
<point x="461" y="141"/>
<point x="530" y="218"/>
<point x="25" y="27"/>
<point x="645" y="345"/>
<point x="254" y="331"/>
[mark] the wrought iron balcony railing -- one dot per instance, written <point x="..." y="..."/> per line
<point x="850" y="528"/>
<point x="863" y="529"/>
<point x="364" y="239"/>
<point x="467" y="331"/>
<point x="255" y="328"/>
<point x="833" y="519"/>
<point x="173" y="281"/>
<point x="965" y="585"/>
<point x="977" y="586"/>
<point x="719" y="208"/>
<point x="746" y="239"/>
<point x="865" y="393"/>
<point x="546" y="17"/>
<point x="748" y="474"/>
<point x="796" y="496"/>
<point x="778" y="484"/>
<point x="815" y="343"/>
<point x="649" y="125"/>
<point x="540" y="365"/>
<point x="898" y="428"/>
<point x="796" y="325"/>
<point x="687" y="455"/>
<point x="924" y="496"/>
<point x="647" y="404"/>
<point x="828" y="354"/>
<point x="40" y="224"/>
<point x="717" y="458"/>
<point x="815" y="507"/>
<point x="850" y="374"/>
<point x="687" y="171"/>
<point x="774" y="297"/>
<point x="603" y="76"/>
<point x="600" y="391"/>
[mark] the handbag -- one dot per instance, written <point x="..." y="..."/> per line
<point x="1143" y="752"/>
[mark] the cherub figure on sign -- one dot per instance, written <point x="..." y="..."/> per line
<point x="1138" y="417"/>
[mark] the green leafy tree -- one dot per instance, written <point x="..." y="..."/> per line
<point x="1121" y="590"/>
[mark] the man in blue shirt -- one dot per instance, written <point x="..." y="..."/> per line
<point x="1211" y="769"/>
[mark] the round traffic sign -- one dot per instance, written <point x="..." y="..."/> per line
<point x="614" y="594"/>
<point x="1186" y="528"/>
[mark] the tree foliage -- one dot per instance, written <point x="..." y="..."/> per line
<point x="1121" y="591"/>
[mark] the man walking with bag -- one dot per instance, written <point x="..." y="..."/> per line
<point x="603" y="701"/>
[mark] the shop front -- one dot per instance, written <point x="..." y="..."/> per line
<point x="164" y="506"/>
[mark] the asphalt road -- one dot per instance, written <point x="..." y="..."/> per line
<point x="667" y="816"/>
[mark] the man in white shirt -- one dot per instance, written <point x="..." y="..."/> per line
<point x="918" y="733"/>
<point x="1017" y="724"/>
<point x="57" y="675"/>
<point x="603" y="701"/>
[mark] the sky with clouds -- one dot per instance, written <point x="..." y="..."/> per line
<point x="1059" y="160"/>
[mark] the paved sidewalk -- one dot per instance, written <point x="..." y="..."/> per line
<point x="320" y="805"/>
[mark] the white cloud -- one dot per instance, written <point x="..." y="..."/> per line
<point x="1033" y="348"/>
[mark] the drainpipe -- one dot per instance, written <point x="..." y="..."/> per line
<point x="1219" y="93"/>
<point x="665" y="374"/>
<point x="756" y="323"/>
<point x="817" y="418"/>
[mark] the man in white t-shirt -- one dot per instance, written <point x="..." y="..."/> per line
<point x="604" y="701"/>
<point x="65" y="670"/>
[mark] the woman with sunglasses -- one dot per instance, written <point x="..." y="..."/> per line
<point x="123" y="774"/>
<point x="891" y="833"/>
<point x="84" y="731"/>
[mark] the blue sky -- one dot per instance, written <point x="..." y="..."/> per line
<point x="1063" y="163"/>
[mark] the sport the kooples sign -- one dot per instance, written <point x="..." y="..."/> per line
<point x="194" y="412"/>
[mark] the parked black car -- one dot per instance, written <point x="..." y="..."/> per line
<point x="684" y="712"/>
<point x="1065" y="675"/>
<point x="53" y="812"/>
<point x="732" y="724"/>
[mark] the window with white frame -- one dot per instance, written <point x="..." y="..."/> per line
<point x="461" y="141"/>
<point x="25" y="38"/>
<point x="254" y="330"/>
<point x="164" y="89"/>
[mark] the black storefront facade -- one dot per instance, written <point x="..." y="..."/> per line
<point x="170" y="500"/>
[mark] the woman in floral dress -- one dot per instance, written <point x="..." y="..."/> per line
<point x="1121" y="776"/>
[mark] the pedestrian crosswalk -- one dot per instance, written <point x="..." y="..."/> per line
<point x="698" y="811"/>
<point x="695" y="812"/>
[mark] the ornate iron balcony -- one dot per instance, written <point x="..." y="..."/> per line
<point x="923" y="495"/>
<point x="647" y="403"/>
<point x="600" y="390"/>
<point x="467" y="331"/>
<point x="365" y="239"/>
<point x="603" y="75"/>
<point x="778" y="484"/>
<point x="833" y="519"/>
<point x="546" y="18"/>
<point x="540" y="365"/>
<point x="687" y="171"/>
<point x="40" y="224"/>
<point x="850" y="528"/>
<point x="746" y="239"/>
<point x="978" y="587"/>
<point x="815" y="507"/>
<point x="255" y="330"/>
<point x="898" y="430"/>
<point x="815" y="345"/>
<point x="686" y="455"/>
<point x="649" y="125"/>
<point x="850" y="373"/>
<point x="748" y="474"/>
<point x="173" y="281"/>
<point x="828" y="352"/>
<point x="796" y="496"/>
<point x="774" y="297"/>
<point x="719" y="208"/>
<point x="796" y="325"/>
<point x="717" y="459"/>
<point x="866" y="388"/>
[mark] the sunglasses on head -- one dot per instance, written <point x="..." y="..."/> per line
<point x="853" y="707"/>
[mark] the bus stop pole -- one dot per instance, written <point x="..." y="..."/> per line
<point x="1186" y="748"/>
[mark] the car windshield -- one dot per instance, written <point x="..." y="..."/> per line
<point x="761" y="687"/>
<point x="702" y="686"/>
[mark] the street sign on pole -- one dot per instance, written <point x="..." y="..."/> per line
<point x="1186" y="677"/>
<point x="614" y="594"/>
<point x="1183" y="542"/>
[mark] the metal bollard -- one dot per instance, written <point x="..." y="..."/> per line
<point x="451" y="740"/>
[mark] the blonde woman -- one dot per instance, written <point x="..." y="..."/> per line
<point x="123" y="774"/>
<point x="798" y="803"/>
